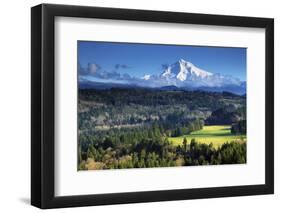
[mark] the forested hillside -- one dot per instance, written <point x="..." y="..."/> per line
<point x="129" y="128"/>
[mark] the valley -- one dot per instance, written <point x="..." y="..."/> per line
<point x="144" y="127"/>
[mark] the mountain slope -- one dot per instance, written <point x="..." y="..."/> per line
<point x="183" y="70"/>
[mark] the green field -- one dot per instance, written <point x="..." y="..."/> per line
<point x="217" y="135"/>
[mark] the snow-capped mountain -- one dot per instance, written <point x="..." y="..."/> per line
<point x="183" y="70"/>
<point x="181" y="74"/>
<point x="185" y="74"/>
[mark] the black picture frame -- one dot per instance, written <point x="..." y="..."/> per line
<point x="43" y="110"/>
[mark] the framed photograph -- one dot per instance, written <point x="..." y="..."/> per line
<point x="139" y="106"/>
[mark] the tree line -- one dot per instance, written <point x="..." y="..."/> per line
<point x="155" y="151"/>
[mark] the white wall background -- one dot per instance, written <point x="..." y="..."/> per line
<point x="15" y="105"/>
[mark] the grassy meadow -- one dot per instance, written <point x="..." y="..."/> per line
<point x="215" y="134"/>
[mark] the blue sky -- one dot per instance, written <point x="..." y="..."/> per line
<point x="139" y="59"/>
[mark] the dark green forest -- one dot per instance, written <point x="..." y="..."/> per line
<point x="129" y="128"/>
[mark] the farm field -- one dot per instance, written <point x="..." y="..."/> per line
<point x="217" y="134"/>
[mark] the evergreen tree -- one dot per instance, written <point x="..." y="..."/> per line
<point x="184" y="144"/>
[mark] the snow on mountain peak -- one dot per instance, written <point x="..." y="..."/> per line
<point x="183" y="70"/>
